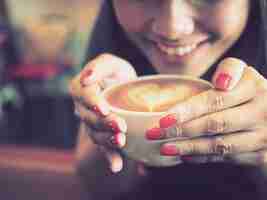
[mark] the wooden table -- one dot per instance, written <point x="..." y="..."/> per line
<point x="39" y="174"/>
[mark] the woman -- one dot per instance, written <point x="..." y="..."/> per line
<point x="227" y="126"/>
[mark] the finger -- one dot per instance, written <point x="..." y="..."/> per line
<point x="106" y="67"/>
<point x="244" y="117"/>
<point x="88" y="85"/>
<point x="211" y="101"/>
<point x="228" y="73"/>
<point x="107" y="139"/>
<point x="114" y="159"/>
<point x="257" y="158"/>
<point x="260" y="80"/>
<point x="218" y="145"/>
<point x="200" y="159"/>
<point x="89" y="96"/>
<point x="85" y="114"/>
<point x="111" y="122"/>
<point x="194" y="159"/>
<point x="227" y="121"/>
<point x="92" y="98"/>
<point x="252" y="158"/>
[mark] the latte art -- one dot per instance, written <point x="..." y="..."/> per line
<point x="152" y="95"/>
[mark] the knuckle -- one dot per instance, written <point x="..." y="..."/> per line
<point x="220" y="147"/>
<point x="217" y="125"/>
<point x="91" y="133"/>
<point x="262" y="160"/>
<point x="192" y="148"/>
<point x="174" y="131"/>
<point x="216" y="159"/>
<point x="262" y="134"/>
<point x="259" y="81"/>
<point x="73" y="87"/>
<point x="263" y="101"/>
<point x="112" y="59"/>
<point x="215" y="101"/>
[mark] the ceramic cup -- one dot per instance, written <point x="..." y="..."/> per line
<point x="141" y="103"/>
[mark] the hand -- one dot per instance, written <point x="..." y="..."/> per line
<point x="226" y="123"/>
<point x="105" y="128"/>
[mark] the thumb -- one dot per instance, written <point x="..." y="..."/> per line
<point x="228" y="73"/>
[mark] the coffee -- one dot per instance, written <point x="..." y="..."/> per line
<point x="156" y="95"/>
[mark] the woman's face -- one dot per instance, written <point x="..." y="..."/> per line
<point x="182" y="36"/>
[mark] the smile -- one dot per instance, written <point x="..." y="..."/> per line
<point x="179" y="50"/>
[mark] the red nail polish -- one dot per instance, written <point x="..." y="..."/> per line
<point x="154" y="134"/>
<point x="118" y="140"/>
<point x="223" y="81"/>
<point x="114" y="126"/>
<point x="99" y="111"/>
<point x="167" y="121"/>
<point x="169" y="150"/>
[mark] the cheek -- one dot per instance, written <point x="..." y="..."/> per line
<point x="228" y="22"/>
<point x="131" y="18"/>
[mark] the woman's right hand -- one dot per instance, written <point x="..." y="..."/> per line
<point x="105" y="128"/>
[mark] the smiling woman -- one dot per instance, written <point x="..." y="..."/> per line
<point x="226" y="124"/>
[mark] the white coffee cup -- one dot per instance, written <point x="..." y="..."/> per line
<point x="137" y="146"/>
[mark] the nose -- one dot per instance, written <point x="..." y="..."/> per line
<point x="173" y="20"/>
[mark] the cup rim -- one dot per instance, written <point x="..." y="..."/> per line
<point x="149" y="77"/>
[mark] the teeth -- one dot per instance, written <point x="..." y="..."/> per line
<point x="180" y="51"/>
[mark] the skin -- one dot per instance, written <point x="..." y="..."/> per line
<point x="160" y="21"/>
<point x="224" y="122"/>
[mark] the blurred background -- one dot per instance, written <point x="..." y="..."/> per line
<point x="43" y="43"/>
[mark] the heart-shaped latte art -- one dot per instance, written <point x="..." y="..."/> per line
<point x="156" y="97"/>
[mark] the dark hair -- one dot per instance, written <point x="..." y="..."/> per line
<point x="113" y="40"/>
<point x="250" y="46"/>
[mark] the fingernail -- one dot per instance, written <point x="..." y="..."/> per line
<point x="154" y="134"/>
<point x="117" y="126"/>
<point x="223" y="81"/>
<point x="85" y="77"/>
<point x="116" y="167"/>
<point x="113" y="125"/>
<point x="168" y="121"/>
<point x="101" y="109"/>
<point x="118" y="140"/>
<point x="169" y="150"/>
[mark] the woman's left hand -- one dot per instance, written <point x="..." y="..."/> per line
<point x="227" y="123"/>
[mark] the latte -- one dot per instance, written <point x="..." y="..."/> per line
<point x="153" y="95"/>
